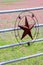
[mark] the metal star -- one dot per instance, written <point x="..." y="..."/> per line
<point x="27" y="28"/>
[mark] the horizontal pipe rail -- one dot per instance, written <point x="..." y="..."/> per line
<point x="9" y="29"/>
<point x="22" y="58"/>
<point x="20" y="10"/>
<point x="13" y="29"/>
<point x="21" y="43"/>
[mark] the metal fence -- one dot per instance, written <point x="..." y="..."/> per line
<point x="20" y="10"/>
<point x="12" y="29"/>
<point x="21" y="43"/>
<point x="22" y="58"/>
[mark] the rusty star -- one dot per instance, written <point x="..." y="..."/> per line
<point x="27" y="28"/>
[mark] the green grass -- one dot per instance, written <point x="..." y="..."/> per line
<point x="9" y="1"/>
<point x="21" y="51"/>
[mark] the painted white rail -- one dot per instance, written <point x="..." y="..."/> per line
<point x="21" y="10"/>
<point x="22" y="58"/>
<point x="21" y="43"/>
<point x="13" y="29"/>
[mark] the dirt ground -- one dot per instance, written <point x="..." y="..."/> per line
<point x="24" y="4"/>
